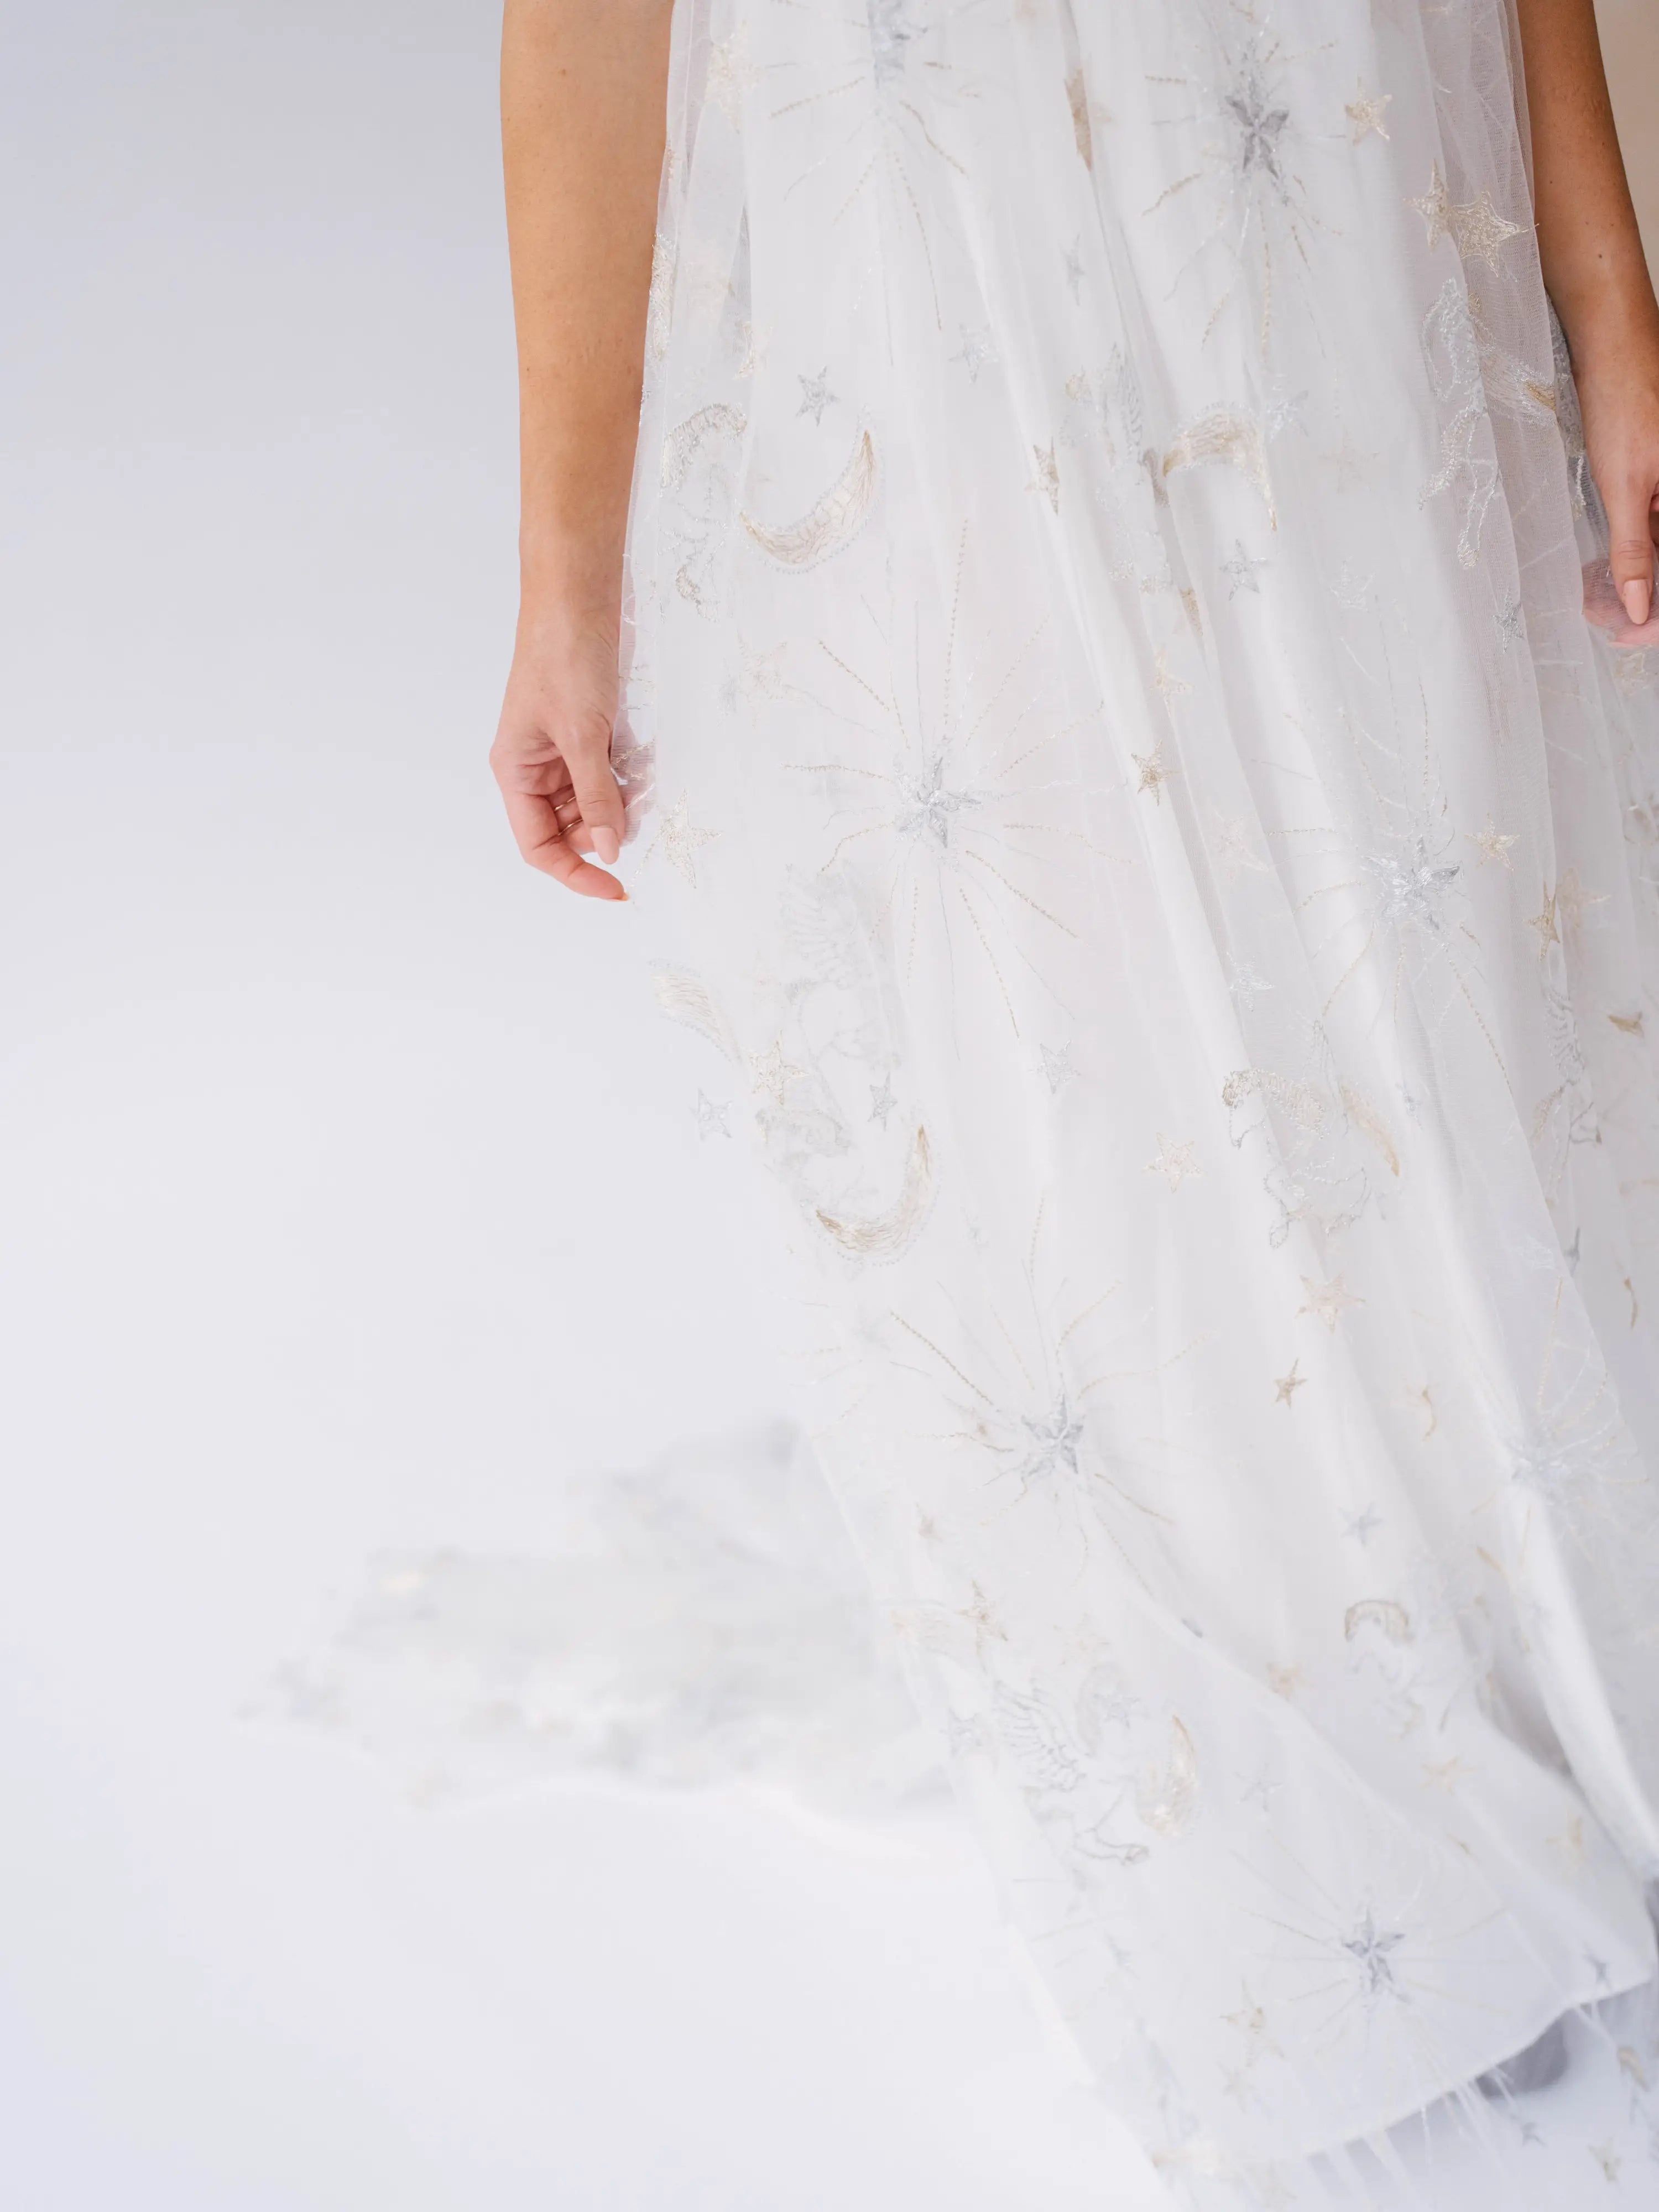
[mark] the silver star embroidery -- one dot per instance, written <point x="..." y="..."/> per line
<point x="1240" y="571"/>
<point x="1373" y="1950"/>
<point x="976" y="351"/>
<point x="890" y="35"/>
<point x="931" y="807"/>
<point x="1057" y="1065"/>
<point x="1511" y="624"/>
<point x="815" y="396"/>
<point x="1363" y="1526"/>
<point x="709" y="1117"/>
<point x="882" y="1100"/>
<point x="1261" y="124"/>
<point x="1051" y="1443"/>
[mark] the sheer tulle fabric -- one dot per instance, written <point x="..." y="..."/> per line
<point x="1128" y="789"/>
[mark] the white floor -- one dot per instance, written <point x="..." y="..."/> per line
<point x="350" y="1197"/>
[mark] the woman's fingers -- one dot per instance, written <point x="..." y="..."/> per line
<point x="1630" y="544"/>
<point x="536" y="830"/>
<point x="586" y="750"/>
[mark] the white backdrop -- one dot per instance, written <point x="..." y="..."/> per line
<point x="350" y="1198"/>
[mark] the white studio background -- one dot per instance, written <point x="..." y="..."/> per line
<point x="350" y="1198"/>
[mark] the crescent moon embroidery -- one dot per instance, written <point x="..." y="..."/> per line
<point x="680" y="446"/>
<point x="1392" y="1620"/>
<point x="834" y="522"/>
<point x="885" y="1235"/>
<point x="1167" y="1802"/>
<point x="1225" y="436"/>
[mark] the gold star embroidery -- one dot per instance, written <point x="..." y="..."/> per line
<point x="1169" y="686"/>
<point x="1286" y="1386"/>
<point x="772" y="1075"/>
<point x="1364" y="112"/>
<point x="1573" y="902"/>
<point x="1544" y="921"/>
<point x="981" y="1617"/>
<point x="1474" y="227"/>
<point x="1494" y="843"/>
<point x="1153" y="774"/>
<point x="1177" y="1157"/>
<point x="1284" y="1681"/>
<point x="1328" y="1302"/>
<point x="1446" y="1776"/>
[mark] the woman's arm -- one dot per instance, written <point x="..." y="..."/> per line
<point x="584" y="90"/>
<point x="1596" y="275"/>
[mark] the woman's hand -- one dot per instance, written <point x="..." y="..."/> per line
<point x="1619" y="395"/>
<point x="551" y="757"/>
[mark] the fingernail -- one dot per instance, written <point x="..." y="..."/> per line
<point x="1636" y="597"/>
<point x="605" y="846"/>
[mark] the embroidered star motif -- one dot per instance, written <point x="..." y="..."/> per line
<point x="1177" y="1157"/>
<point x="1573" y="902"/>
<point x="730" y="73"/>
<point x="1153" y="774"/>
<point x="981" y="1617"/>
<point x="680" y="838"/>
<point x="1169" y="686"/>
<point x="1373" y="1950"/>
<point x="772" y="1075"/>
<point x="1240" y="571"/>
<point x="977" y="350"/>
<point x="709" y="1117"/>
<point x="1362" y="1526"/>
<point x="1474" y="227"/>
<point x="1494" y="843"/>
<point x="1286" y="1386"/>
<point x="1544" y="921"/>
<point x="1446" y="1775"/>
<point x="1251" y="2021"/>
<point x="1511" y="623"/>
<point x="1058" y="1065"/>
<point x="815" y="396"/>
<point x="1328" y="1302"/>
<point x="1365" y="111"/>
<point x="1233" y="854"/>
<point x="882" y="1101"/>
<point x="756" y="343"/>
<point x="1047" y="474"/>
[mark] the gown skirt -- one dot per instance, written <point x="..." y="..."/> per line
<point x="1124" y="777"/>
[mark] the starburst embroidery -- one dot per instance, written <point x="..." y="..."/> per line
<point x="1328" y="1302"/>
<point x="1177" y="1158"/>
<point x="1365" y="111"/>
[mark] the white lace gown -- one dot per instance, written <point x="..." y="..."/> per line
<point x="1127" y="785"/>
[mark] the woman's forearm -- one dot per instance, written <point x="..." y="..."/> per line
<point x="1595" y="273"/>
<point x="583" y="96"/>
<point x="1587" y="238"/>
